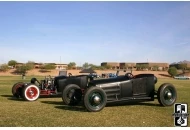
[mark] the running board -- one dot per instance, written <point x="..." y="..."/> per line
<point x="129" y="99"/>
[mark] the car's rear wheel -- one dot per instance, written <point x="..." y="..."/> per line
<point x="95" y="99"/>
<point x="71" y="94"/>
<point x="31" y="92"/>
<point x="17" y="89"/>
<point x="167" y="94"/>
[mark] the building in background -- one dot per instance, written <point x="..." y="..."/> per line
<point x="113" y="65"/>
<point x="152" y="66"/>
<point x="127" y="65"/>
<point x="38" y="65"/>
<point x="61" y="66"/>
<point x="138" y="66"/>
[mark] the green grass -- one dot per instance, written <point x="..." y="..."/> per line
<point x="53" y="112"/>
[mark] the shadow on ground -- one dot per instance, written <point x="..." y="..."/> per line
<point x="132" y="103"/>
<point x="51" y="96"/>
<point x="10" y="97"/>
<point x="165" y="75"/>
<point x="81" y="108"/>
<point x="63" y="106"/>
<point x="44" y="71"/>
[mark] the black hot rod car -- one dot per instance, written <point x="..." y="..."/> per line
<point x="46" y="87"/>
<point x="97" y="93"/>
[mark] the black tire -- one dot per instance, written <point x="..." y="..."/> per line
<point x="31" y="92"/>
<point x="89" y="99"/>
<point x="155" y="79"/>
<point x="17" y="89"/>
<point x="164" y="97"/>
<point x="72" y="94"/>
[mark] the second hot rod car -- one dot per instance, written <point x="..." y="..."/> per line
<point x="48" y="86"/>
<point x="97" y="93"/>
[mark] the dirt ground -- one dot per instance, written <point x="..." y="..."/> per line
<point x="159" y="74"/>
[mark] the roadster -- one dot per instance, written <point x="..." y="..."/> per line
<point x="31" y="91"/>
<point x="97" y="93"/>
<point x="48" y="86"/>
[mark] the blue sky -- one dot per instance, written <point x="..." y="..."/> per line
<point x="94" y="32"/>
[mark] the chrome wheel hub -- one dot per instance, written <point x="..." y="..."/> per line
<point x="31" y="92"/>
<point x="169" y="95"/>
<point x="96" y="99"/>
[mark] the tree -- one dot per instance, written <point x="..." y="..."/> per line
<point x="12" y="63"/>
<point x="21" y="69"/>
<point x="182" y="67"/>
<point x="172" y="71"/>
<point x="95" y="67"/>
<point x="107" y="67"/>
<point x="30" y="65"/>
<point x="101" y="68"/>
<point x="71" y="65"/>
<point x="48" y="66"/>
<point x="85" y="65"/>
<point x="4" y="67"/>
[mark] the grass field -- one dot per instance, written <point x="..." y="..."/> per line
<point x="52" y="111"/>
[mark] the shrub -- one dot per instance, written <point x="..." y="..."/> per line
<point x="85" y="65"/>
<point x="172" y="71"/>
<point x="71" y="65"/>
<point x="48" y="66"/>
<point x="30" y="65"/>
<point x="21" y="69"/>
<point x="4" y="68"/>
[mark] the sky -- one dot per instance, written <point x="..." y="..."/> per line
<point x="94" y="32"/>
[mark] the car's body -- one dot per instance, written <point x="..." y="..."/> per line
<point x="97" y="93"/>
<point x="123" y="88"/>
<point x="46" y="87"/>
<point x="182" y="77"/>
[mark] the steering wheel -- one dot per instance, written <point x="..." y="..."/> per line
<point x="129" y="75"/>
<point x="70" y="74"/>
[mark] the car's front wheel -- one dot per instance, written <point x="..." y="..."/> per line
<point x="95" y="99"/>
<point x="31" y="92"/>
<point x="167" y="94"/>
<point x="71" y="94"/>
